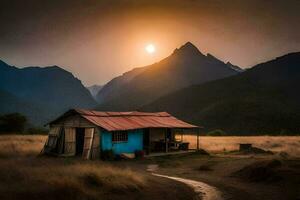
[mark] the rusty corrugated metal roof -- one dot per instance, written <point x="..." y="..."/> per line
<point x="114" y="121"/>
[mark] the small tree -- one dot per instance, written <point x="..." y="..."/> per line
<point x="12" y="123"/>
<point x="217" y="132"/>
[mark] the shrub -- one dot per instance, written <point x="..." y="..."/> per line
<point x="12" y="123"/>
<point x="108" y="155"/>
<point x="139" y="154"/>
<point x="217" y="132"/>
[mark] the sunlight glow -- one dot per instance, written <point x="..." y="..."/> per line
<point x="150" y="48"/>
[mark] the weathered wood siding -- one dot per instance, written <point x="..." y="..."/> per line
<point x="74" y="121"/>
<point x="157" y="134"/>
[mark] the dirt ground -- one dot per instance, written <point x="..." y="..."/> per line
<point x="240" y="175"/>
<point x="236" y="175"/>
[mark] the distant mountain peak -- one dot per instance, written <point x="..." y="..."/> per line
<point x="41" y="92"/>
<point x="235" y="67"/>
<point x="189" y="45"/>
<point x="94" y="89"/>
<point x="213" y="58"/>
<point x="4" y="65"/>
<point x="188" y="49"/>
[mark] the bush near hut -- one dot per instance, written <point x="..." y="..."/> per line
<point x="139" y="154"/>
<point x="217" y="132"/>
<point x="108" y="155"/>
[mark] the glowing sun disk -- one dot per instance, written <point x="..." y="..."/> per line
<point x="150" y="48"/>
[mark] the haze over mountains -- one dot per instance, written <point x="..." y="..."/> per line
<point x="198" y="88"/>
<point x="41" y="93"/>
<point x="113" y="87"/>
<point x="94" y="89"/>
<point x="184" y="67"/>
<point x="262" y="100"/>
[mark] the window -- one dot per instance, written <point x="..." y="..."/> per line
<point x="120" y="136"/>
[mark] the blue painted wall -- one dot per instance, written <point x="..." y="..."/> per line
<point x="135" y="142"/>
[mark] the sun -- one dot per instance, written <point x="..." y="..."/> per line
<point x="150" y="48"/>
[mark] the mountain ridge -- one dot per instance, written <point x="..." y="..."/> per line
<point x="185" y="66"/>
<point x="51" y="87"/>
<point x="261" y="100"/>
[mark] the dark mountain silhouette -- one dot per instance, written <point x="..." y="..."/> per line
<point x="51" y="89"/>
<point x="234" y="67"/>
<point x="94" y="89"/>
<point x="112" y="88"/>
<point x="262" y="100"/>
<point x="11" y="104"/>
<point x="184" y="67"/>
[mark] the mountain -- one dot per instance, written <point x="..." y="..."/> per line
<point x="94" y="89"/>
<point x="113" y="87"/>
<point x="184" y="67"/>
<point x="265" y="99"/>
<point x="51" y="89"/>
<point x="12" y="104"/>
<point x="234" y="67"/>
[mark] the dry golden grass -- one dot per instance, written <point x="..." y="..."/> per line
<point x="74" y="179"/>
<point x="24" y="175"/>
<point x="288" y="144"/>
<point x="21" y="145"/>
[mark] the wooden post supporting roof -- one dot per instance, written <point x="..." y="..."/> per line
<point x="181" y="135"/>
<point x="198" y="130"/>
<point x="166" y="140"/>
<point x="149" y="141"/>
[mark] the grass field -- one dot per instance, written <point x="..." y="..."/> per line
<point x="29" y="145"/>
<point x="12" y="146"/>
<point x="26" y="175"/>
<point x="277" y="144"/>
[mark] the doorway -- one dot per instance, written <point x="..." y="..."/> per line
<point x="79" y="141"/>
<point x="146" y="141"/>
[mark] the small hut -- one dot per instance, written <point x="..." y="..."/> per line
<point x="88" y="133"/>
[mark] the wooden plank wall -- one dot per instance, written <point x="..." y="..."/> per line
<point x="157" y="134"/>
<point x="74" y="121"/>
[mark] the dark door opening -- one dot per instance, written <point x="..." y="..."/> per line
<point x="169" y="134"/>
<point x="79" y="141"/>
<point x="146" y="141"/>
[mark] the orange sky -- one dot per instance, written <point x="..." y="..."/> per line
<point x="98" y="40"/>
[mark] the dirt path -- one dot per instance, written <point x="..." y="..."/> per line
<point x="205" y="191"/>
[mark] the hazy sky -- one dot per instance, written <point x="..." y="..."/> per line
<point x="97" y="40"/>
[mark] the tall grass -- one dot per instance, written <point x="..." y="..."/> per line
<point x="23" y="175"/>
<point x="33" y="179"/>
<point x="12" y="146"/>
<point x="288" y="144"/>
